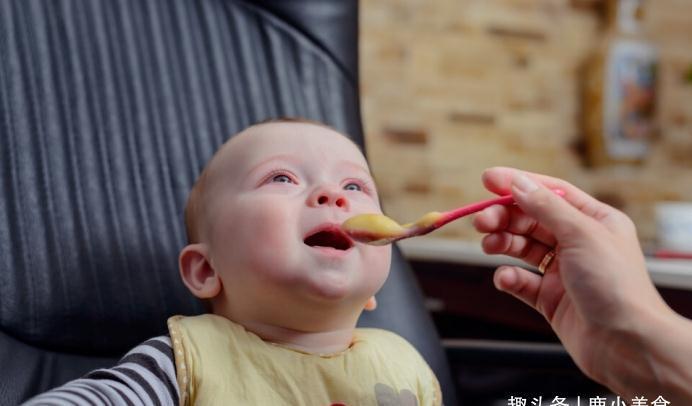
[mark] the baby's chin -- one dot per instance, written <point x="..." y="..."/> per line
<point x="332" y="285"/>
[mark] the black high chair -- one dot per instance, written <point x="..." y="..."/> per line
<point x="108" y="111"/>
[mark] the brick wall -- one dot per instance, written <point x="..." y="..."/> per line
<point x="450" y="87"/>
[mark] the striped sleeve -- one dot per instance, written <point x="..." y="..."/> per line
<point x="144" y="376"/>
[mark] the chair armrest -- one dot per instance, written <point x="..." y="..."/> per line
<point x="471" y="352"/>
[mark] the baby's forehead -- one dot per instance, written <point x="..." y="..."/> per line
<point x="264" y="141"/>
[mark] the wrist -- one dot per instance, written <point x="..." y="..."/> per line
<point x="670" y="359"/>
<point x="651" y="358"/>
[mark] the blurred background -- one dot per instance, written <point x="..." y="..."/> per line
<point x="450" y="87"/>
<point x="596" y="92"/>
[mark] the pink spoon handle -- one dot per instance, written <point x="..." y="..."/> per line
<point x="474" y="207"/>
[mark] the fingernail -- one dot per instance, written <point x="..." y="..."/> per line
<point x="524" y="184"/>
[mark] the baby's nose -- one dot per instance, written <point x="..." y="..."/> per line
<point x="324" y="196"/>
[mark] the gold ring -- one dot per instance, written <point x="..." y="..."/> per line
<point x="546" y="261"/>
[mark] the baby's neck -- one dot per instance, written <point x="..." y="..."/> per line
<point x="321" y="342"/>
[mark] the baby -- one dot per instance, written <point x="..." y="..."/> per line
<point x="284" y="285"/>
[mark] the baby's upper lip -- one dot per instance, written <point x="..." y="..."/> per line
<point x="328" y="235"/>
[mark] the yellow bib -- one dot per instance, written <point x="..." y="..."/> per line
<point x="218" y="362"/>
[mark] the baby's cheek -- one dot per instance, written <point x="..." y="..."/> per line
<point x="271" y="234"/>
<point x="378" y="261"/>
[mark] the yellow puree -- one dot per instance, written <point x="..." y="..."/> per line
<point x="381" y="226"/>
<point x="427" y="220"/>
<point x="378" y="225"/>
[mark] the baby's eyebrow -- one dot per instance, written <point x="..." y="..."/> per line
<point x="353" y="165"/>
<point x="279" y="157"/>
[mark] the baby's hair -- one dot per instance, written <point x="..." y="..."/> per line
<point x="194" y="201"/>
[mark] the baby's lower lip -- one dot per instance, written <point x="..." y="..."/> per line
<point x="330" y="251"/>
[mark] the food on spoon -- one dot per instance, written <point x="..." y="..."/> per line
<point x="371" y="228"/>
<point x="378" y="229"/>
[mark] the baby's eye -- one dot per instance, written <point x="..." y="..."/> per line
<point x="353" y="187"/>
<point x="282" y="179"/>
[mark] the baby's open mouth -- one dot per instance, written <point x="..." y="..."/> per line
<point x="329" y="236"/>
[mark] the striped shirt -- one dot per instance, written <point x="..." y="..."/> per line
<point x="144" y="376"/>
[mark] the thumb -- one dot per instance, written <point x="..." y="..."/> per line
<point x="551" y="210"/>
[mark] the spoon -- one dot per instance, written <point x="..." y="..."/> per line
<point x="378" y="229"/>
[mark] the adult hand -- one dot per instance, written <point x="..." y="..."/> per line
<point x="596" y="292"/>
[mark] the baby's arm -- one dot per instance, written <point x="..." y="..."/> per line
<point x="145" y="375"/>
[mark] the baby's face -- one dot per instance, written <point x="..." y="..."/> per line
<point x="276" y="200"/>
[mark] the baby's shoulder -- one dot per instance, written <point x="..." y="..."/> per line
<point x="395" y="352"/>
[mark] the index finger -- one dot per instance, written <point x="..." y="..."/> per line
<point x="499" y="180"/>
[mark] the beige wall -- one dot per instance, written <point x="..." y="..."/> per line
<point x="450" y="87"/>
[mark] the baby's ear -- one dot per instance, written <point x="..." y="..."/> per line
<point x="371" y="304"/>
<point x="197" y="273"/>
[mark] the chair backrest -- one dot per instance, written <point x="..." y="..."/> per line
<point x="108" y="112"/>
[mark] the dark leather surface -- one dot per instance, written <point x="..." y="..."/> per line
<point x="108" y="111"/>
<point x="331" y="24"/>
<point x="27" y="370"/>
